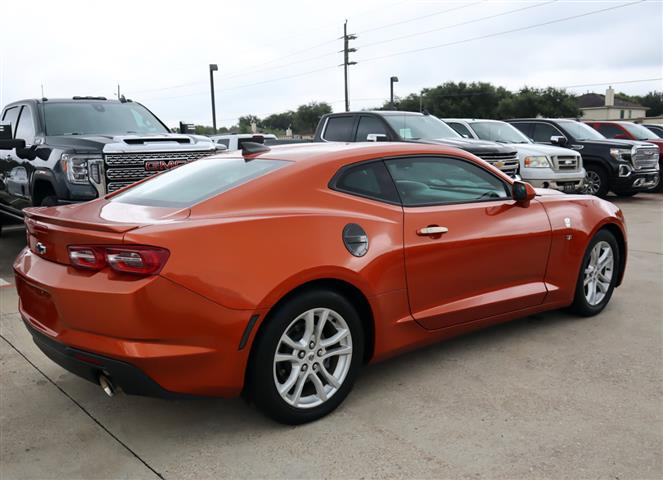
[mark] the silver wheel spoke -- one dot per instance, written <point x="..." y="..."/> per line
<point x="598" y="273"/>
<point x="321" y="324"/>
<point x="299" y="387"/>
<point x="340" y="335"/>
<point x="331" y="379"/>
<point x="290" y="342"/>
<point x="310" y="326"/>
<point x="286" y="357"/>
<point x="319" y="387"/>
<point x="287" y="385"/>
<point x="339" y="351"/>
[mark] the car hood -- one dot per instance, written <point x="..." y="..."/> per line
<point x="540" y="149"/>
<point x="613" y="142"/>
<point x="473" y="146"/>
<point x="130" y="143"/>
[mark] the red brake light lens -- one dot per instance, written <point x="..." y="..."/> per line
<point x="91" y="258"/>
<point x="139" y="260"/>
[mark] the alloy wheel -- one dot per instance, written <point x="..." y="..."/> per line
<point x="312" y="358"/>
<point x="598" y="273"/>
<point x="592" y="183"/>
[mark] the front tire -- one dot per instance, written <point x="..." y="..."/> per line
<point x="596" y="181"/>
<point x="598" y="275"/>
<point x="306" y="357"/>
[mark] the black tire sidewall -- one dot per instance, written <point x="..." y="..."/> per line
<point x="580" y="304"/>
<point x="262" y="388"/>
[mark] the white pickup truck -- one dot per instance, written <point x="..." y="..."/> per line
<point x="544" y="166"/>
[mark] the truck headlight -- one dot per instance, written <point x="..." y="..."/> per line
<point x="76" y="167"/>
<point x="621" y="153"/>
<point x="537" y="161"/>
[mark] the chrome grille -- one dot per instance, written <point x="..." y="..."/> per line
<point x="645" y="158"/>
<point x="509" y="161"/>
<point x="123" y="169"/>
<point x="565" y="162"/>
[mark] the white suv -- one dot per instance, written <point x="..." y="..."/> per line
<point x="233" y="141"/>
<point x="544" y="166"/>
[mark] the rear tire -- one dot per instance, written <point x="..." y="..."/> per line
<point x="295" y="375"/>
<point x="596" y="181"/>
<point x="598" y="275"/>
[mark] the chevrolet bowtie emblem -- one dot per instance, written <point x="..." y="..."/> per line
<point x="40" y="248"/>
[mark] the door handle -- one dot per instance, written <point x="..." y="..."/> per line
<point x="432" y="230"/>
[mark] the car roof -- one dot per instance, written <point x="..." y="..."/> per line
<point x="471" y="120"/>
<point x="542" y="120"/>
<point x="378" y="112"/>
<point x="344" y="153"/>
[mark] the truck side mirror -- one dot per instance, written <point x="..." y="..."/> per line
<point x="12" y="144"/>
<point x="558" y="140"/>
<point x="377" y="137"/>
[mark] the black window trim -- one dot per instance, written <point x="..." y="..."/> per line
<point x="333" y="183"/>
<point x="353" y="129"/>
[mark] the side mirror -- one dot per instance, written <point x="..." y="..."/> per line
<point x="377" y="137"/>
<point x="523" y="192"/>
<point x="12" y="144"/>
<point x="558" y="140"/>
<point x="220" y="147"/>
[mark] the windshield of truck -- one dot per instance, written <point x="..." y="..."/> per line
<point x="580" y="131"/>
<point x="105" y="118"/>
<point x="501" y="132"/>
<point x="417" y="127"/>
<point x="640" y="132"/>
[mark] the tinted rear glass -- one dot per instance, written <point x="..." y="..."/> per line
<point x="339" y="129"/>
<point x="194" y="182"/>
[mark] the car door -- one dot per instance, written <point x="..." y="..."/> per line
<point x="471" y="252"/>
<point x="17" y="177"/>
<point x="370" y="125"/>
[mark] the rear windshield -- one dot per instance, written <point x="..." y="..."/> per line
<point x="194" y="182"/>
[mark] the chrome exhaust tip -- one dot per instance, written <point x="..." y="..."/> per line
<point x="106" y="385"/>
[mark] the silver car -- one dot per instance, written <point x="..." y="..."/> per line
<point x="544" y="166"/>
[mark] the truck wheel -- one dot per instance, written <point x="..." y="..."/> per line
<point x="625" y="194"/>
<point x="596" y="181"/>
<point x="598" y="274"/>
<point x="306" y="357"/>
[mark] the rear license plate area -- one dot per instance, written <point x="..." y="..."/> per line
<point x="37" y="304"/>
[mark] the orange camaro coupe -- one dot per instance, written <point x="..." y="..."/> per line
<point x="281" y="272"/>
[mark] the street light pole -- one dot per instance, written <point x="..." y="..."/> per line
<point x="392" y="80"/>
<point x="213" y="68"/>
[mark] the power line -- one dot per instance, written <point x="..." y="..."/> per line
<point x="505" y="32"/>
<point x="458" y="24"/>
<point x="641" y="80"/>
<point x="428" y="15"/>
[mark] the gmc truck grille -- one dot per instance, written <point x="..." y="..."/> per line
<point x="565" y="162"/>
<point x="645" y="158"/>
<point x="123" y="169"/>
<point x="507" y="162"/>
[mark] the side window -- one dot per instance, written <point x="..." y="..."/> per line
<point x="608" y="130"/>
<point x="526" y="128"/>
<point x="367" y="180"/>
<point x="26" y="127"/>
<point x="442" y="180"/>
<point x="369" y="125"/>
<point x="543" y="131"/>
<point x="461" y="129"/>
<point x="339" y="129"/>
<point x="11" y="116"/>
<point x="224" y="141"/>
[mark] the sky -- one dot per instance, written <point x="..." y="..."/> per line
<point x="274" y="56"/>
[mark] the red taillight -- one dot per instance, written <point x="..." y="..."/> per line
<point x="139" y="260"/>
<point x="92" y="258"/>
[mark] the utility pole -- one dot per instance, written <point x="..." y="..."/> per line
<point x="42" y="90"/>
<point x="392" y="80"/>
<point x="213" y="68"/>
<point x="346" y="60"/>
<point x="118" y="91"/>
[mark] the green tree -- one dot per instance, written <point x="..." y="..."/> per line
<point x="306" y="117"/>
<point x="279" y="121"/>
<point x="246" y="121"/>
<point x="532" y="102"/>
<point x="653" y="100"/>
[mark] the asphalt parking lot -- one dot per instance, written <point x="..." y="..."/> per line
<point x="548" y="396"/>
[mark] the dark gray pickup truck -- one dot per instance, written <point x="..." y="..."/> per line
<point x="398" y="126"/>
<point x="59" y="151"/>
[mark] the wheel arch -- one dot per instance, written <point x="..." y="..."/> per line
<point x="618" y="233"/>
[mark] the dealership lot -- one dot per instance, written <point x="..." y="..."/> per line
<point x="551" y="395"/>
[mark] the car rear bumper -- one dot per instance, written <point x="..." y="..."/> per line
<point x="150" y="331"/>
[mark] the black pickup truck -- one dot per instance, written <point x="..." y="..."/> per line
<point x="59" y="151"/>
<point x="624" y="166"/>
<point x="399" y="126"/>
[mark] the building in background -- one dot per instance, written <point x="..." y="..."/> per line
<point x="595" y="106"/>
